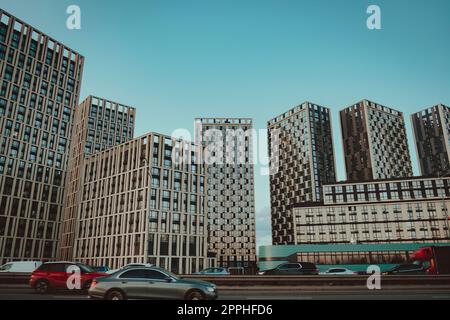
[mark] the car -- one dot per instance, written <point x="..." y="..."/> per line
<point x="54" y="276"/>
<point x="130" y="265"/>
<point x="214" y="272"/>
<point x="338" y="272"/>
<point x="300" y="268"/>
<point x="104" y="269"/>
<point x="407" y="269"/>
<point x="150" y="283"/>
<point x="20" y="266"/>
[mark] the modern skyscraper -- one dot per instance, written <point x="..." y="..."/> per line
<point x="40" y="85"/>
<point x="144" y="201"/>
<point x="302" y="160"/>
<point x="375" y="142"/>
<point x="432" y="137"/>
<point x="98" y="125"/>
<point x="230" y="171"/>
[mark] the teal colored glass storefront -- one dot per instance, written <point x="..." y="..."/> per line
<point x="356" y="257"/>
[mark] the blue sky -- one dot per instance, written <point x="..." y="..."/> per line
<point x="176" y="60"/>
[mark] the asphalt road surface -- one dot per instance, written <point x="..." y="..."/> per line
<point x="23" y="292"/>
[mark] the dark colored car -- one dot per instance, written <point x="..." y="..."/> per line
<point x="286" y="269"/>
<point x="214" y="272"/>
<point x="406" y="269"/>
<point x="54" y="276"/>
<point x="101" y="268"/>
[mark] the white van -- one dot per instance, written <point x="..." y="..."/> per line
<point x="20" y="266"/>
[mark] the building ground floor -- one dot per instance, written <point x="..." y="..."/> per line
<point x="356" y="257"/>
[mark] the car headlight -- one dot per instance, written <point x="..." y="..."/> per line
<point x="211" y="289"/>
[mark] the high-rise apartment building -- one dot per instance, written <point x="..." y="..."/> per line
<point x="432" y="137"/>
<point x="144" y="201"/>
<point x="98" y="125"/>
<point x="39" y="89"/>
<point x="302" y="160"/>
<point x="406" y="210"/>
<point x="375" y="142"/>
<point x="231" y="201"/>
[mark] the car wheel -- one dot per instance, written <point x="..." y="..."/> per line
<point x="115" y="295"/>
<point x="194" y="295"/>
<point x="41" y="287"/>
<point x="87" y="285"/>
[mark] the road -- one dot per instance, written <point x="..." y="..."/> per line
<point x="22" y="292"/>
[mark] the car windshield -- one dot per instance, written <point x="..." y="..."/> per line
<point x="6" y="267"/>
<point x="173" y="275"/>
<point x="85" y="268"/>
<point x="288" y="266"/>
<point x="394" y="268"/>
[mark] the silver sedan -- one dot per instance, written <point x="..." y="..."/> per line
<point x="150" y="283"/>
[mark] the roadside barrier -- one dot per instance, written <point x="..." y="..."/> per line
<point x="249" y="281"/>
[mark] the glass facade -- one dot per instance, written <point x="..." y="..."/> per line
<point x="356" y="257"/>
<point x="362" y="257"/>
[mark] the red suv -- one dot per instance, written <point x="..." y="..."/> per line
<point x="54" y="275"/>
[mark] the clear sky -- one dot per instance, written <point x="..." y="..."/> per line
<point x="176" y="59"/>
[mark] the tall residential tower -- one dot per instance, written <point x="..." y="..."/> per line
<point x="144" y="201"/>
<point x="375" y="142"/>
<point x="302" y="160"/>
<point x="39" y="89"/>
<point x="432" y="137"/>
<point x="231" y="202"/>
<point x="98" y="125"/>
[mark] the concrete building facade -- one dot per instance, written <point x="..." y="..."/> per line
<point x="228" y="146"/>
<point x="39" y="89"/>
<point x="432" y="139"/>
<point x="98" y="125"/>
<point x="302" y="159"/>
<point x="404" y="210"/>
<point x="375" y="142"/>
<point x="144" y="201"/>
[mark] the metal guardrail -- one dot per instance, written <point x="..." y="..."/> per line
<point x="14" y="278"/>
<point x="249" y="281"/>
